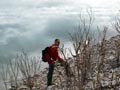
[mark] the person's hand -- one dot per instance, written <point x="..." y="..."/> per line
<point x="63" y="63"/>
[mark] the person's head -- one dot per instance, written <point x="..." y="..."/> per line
<point x="57" y="42"/>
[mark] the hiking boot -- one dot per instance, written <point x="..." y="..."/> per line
<point x="51" y="84"/>
<point x="51" y="87"/>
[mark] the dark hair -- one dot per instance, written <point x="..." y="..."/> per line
<point x="57" y="40"/>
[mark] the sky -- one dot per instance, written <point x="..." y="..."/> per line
<point x="32" y="25"/>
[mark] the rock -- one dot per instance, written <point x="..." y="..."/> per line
<point x="109" y="74"/>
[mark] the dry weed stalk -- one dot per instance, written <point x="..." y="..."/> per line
<point x="23" y="68"/>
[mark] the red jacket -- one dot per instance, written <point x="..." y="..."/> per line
<point x="54" y="54"/>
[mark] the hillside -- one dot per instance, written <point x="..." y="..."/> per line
<point x="101" y="70"/>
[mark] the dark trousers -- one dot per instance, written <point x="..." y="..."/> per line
<point x="50" y="74"/>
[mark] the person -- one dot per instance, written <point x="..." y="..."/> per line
<point x="53" y="51"/>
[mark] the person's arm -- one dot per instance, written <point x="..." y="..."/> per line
<point x="50" y="54"/>
<point x="56" y="55"/>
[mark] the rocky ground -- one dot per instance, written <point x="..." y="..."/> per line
<point x="109" y="76"/>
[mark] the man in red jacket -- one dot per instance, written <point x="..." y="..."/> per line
<point x="54" y="56"/>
